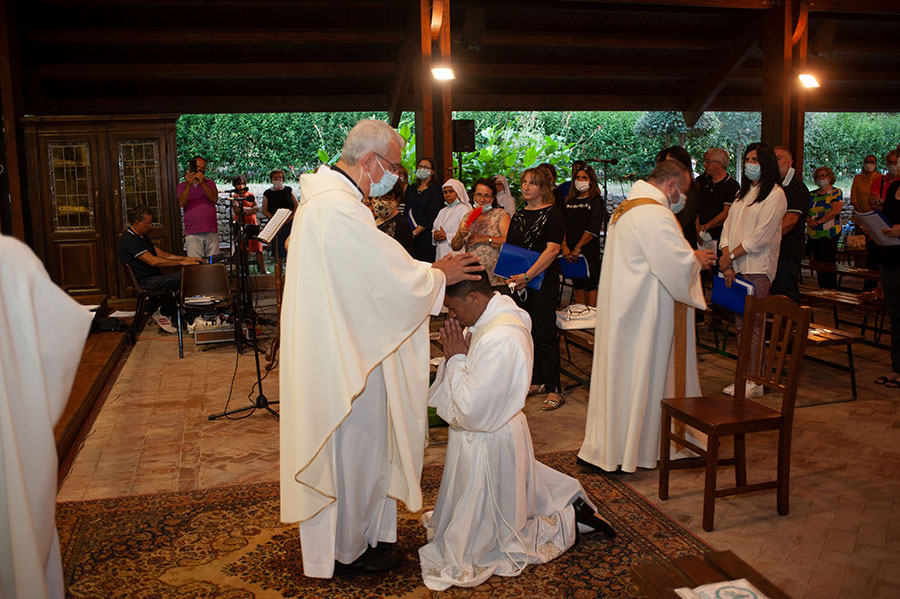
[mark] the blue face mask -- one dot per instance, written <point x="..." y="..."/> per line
<point x="486" y="207"/>
<point x="752" y="171"/>
<point x="388" y="180"/>
<point x="679" y="206"/>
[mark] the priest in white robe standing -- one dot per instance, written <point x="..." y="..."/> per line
<point x="644" y="346"/>
<point x="498" y="509"/>
<point x="354" y="362"/>
<point x="42" y="334"/>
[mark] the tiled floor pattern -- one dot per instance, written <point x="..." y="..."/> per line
<point x="841" y="538"/>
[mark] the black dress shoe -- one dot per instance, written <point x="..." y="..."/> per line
<point x="371" y="561"/>
<point x="384" y="547"/>
<point x="586" y="515"/>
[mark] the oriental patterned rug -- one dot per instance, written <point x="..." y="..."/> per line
<point x="228" y="543"/>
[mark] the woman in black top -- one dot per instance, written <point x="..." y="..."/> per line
<point x="889" y="267"/>
<point x="585" y="216"/>
<point x="540" y="227"/>
<point x="424" y="199"/>
<point x="279" y="196"/>
<point x="388" y="217"/>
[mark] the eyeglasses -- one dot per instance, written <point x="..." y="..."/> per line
<point x="394" y="167"/>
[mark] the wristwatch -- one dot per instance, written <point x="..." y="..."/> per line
<point x="490" y="240"/>
<point x="731" y="255"/>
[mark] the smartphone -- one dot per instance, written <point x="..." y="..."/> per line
<point x="192" y="167"/>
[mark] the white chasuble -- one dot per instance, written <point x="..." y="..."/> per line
<point x="42" y="334"/>
<point x="498" y="508"/>
<point x="353" y="299"/>
<point x="647" y="267"/>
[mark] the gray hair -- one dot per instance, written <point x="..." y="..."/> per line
<point x="719" y="155"/>
<point x="369" y="136"/>
<point x="668" y="169"/>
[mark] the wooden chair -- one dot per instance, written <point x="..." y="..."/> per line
<point x="207" y="280"/>
<point x="143" y="296"/>
<point x="780" y="357"/>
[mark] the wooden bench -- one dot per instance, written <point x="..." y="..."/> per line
<point x="823" y="337"/>
<point x="847" y="299"/>
<point x="582" y="339"/>
<point x="659" y="582"/>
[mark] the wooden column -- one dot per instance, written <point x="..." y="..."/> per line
<point x="800" y="43"/>
<point x="777" y="79"/>
<point x="434" y="116"/>
<point x="13" y="178"/>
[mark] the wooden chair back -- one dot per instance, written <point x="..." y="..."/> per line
<point x="134" y="282"/>
<point x="779" y="355"/>
<point x="205" y="279"/>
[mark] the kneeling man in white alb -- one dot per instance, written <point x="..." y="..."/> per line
<point x="498" y="509"/>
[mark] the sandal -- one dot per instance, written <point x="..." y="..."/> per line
<point x="535" y="389"/>
<point x="892" y="384"/>
<point x="882" y="380"/>
<point x="551" y="404"/>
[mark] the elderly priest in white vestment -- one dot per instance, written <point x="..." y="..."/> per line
<point x="498" y="509"/>
<point x="644" y="347"/>
<point x="354" y="368"/>
<point x="42" y="334"/>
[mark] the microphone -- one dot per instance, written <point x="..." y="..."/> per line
<point x="231" y="191"/>
<point x="603" y="160"/>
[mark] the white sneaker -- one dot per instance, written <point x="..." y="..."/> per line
<point x="751" y="390"/>
<point x="164" y="323"/>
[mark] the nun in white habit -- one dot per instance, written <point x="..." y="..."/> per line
<point x="456" y="207"/>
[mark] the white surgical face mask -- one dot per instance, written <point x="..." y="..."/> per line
<point x="582" y="186"/>
<point x="821" y="183"/>
<point x="423" y="173"/>
<point x="386" y="184"/>
<point x="868" y="167"/>
<point x="678" y="206"/>
<point x="753" y="171"/>
<point x="277" y="184"/>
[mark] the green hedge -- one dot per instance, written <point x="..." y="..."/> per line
<point x="508" y="142"/>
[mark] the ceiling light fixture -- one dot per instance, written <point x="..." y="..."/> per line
<point x="808" y="80"/>
<point x="443" y="73"/>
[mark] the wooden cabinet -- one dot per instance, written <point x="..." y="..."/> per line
<point x="86" y="174"/>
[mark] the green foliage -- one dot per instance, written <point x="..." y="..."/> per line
<point x="841" y="140"/>
<point x="509" y="142"/>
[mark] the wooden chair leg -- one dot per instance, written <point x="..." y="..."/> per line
<point x="180" y="336"/>
<point x="740" y="461"/>
<point x="138" y="312"/>
<point x="709" y="489"/>
<point x="784" y="472"/>
<point x="664" y="445"/>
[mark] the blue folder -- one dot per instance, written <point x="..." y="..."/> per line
<point x="514" y="260"/>
<point x="575" y="270"/>
<point x="731" y="299"/>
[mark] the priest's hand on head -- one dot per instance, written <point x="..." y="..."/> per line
<point x="459" y="267"/>
<point x="452" y="338"/>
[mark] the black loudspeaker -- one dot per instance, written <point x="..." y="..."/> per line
<point x="463" y="135"/>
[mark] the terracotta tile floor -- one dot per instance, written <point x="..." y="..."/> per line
<point x="841" y="538"/>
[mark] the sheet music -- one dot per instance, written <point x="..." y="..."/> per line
<point x="274" y="225"/>
<point x="875" y="222"/>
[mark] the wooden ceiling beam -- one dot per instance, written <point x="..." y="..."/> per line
<point x="218" y="104"/>
<point x="565" y="102"/>
<point x="721" y="67"/>
<point x="578" y="40"/>
<point x="211" y="71"/>
<point x="205" y="36"/>
<point x="575" y="71"/>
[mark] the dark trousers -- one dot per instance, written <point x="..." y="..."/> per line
<point x="871" y="262"/>
<point x="171" y="282"/>
<point x="785" y="282"/>
<point x="890" y="282"/>
<point x="824" y="249"/>
<point x="541" y="306"/>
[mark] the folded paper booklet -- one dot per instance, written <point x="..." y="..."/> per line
<point x="274" y="225"/>
<point x="731" y="589"/>
<point x="514" y="260"/>
<point x="875" y="221"/>
<point x="732" y="299"/>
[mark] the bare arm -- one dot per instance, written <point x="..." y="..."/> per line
<point x="787" y="223"/>
<point x="186" y="192"/>
<point x="163" y="258"/>
<point x="265" y="207"/>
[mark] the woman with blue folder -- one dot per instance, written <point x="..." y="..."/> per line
<point x="751" y="234"/>
<point x="585" y="215"/>
<point x="540" y="227"/>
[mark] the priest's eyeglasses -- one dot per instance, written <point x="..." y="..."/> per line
<point x="394" y="166"/>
